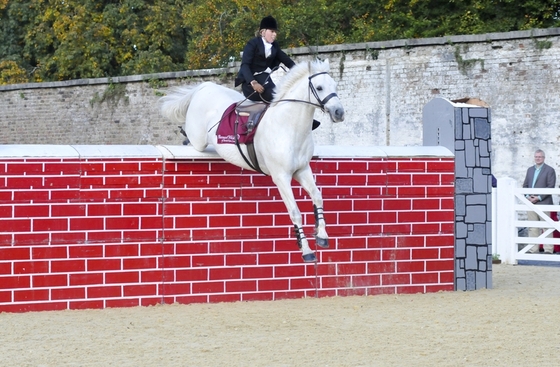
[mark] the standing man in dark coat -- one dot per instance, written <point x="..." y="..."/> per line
<point x="540" y="175"/>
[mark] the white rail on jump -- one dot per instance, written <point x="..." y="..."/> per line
<point x="510" y="207"/>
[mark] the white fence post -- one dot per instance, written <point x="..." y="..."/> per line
<point x="505" y="220"/>
<point x="494" y="220"/>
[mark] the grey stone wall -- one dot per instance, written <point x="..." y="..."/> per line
<point x="94" y="111"/>
<point x="384" y="86"/>
<point x="465" y="129"/>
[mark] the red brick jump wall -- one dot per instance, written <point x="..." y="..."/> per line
<point x="94" y="232"/>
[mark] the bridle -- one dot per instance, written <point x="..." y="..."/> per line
<point x="324" y="101"/>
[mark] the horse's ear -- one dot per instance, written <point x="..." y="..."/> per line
<point x="327" y="62"/>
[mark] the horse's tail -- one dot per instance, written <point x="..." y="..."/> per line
<point x="175" y="104"/>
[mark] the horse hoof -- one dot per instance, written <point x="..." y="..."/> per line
<point x="309" y="258"/>
<point x="322" y="242"/>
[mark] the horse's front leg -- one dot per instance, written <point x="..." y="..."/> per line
<point x="285" y="188"/>
<point x="305" y="178"/>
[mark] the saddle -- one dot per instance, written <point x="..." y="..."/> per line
<point x="238" y="125"/>
<point x="254" y="113"/>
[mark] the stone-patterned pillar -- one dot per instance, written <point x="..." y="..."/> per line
<point x="463" y="126"/>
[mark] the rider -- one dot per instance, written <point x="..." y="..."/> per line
<point x="261" y="56"/>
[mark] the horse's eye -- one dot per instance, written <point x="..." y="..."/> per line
<point x="319" y="88"/>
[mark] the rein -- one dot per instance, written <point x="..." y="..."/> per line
<point x="322" y="102"/>
<point x="252" y="160"/>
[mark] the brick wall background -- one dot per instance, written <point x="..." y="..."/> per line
<point x="383" y="85"/>
<point x="117" y="226"/>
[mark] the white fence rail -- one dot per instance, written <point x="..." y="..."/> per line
<point x="509" y="216"/>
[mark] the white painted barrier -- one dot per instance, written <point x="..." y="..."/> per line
<point x="511" y="206"/>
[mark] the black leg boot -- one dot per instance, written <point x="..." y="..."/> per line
<point x="315" y="124"/>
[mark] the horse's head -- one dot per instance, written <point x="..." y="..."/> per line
<point x="323" y="88"/>
<point x="315" y="84"/>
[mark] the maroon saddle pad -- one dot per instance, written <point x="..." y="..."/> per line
<point x="226" y="130"/>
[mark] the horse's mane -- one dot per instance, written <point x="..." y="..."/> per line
<point x="301" y="70"/>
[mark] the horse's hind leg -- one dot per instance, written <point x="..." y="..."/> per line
<point x="284" y="187"/>
<point x="182" y="131"/>
<point x="305" y="178"/>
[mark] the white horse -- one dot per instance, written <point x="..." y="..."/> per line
<point x="283" y="141"/>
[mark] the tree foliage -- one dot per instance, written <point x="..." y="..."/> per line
<point x="48" y="40"/>
<point x="73" y="39"/>
<point x="218" y="29"/>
